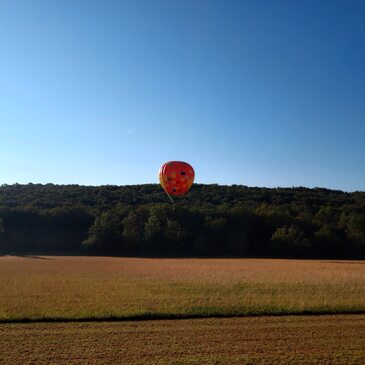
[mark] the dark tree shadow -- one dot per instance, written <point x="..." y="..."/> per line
<point x="34" y="257"/>
<point x="356" y="262"/>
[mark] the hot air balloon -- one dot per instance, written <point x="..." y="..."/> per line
<point x="176" y="177"/>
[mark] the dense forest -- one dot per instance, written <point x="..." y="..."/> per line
<point x="212" y="220"/>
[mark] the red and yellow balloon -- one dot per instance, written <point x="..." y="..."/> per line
<point x="176" y="177"/>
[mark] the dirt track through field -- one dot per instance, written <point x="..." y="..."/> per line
<point x="335" y="339"/>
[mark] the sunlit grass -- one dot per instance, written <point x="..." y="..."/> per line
<point x="99" y="287"/>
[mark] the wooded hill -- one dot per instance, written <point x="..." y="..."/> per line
<point x="212" y="220"/>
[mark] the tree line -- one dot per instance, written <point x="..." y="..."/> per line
<point x="212" y="220"/>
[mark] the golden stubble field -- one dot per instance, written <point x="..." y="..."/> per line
<point x="327" y="339"/>
<point x="105" y="287"/>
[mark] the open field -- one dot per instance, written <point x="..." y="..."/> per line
<point x="125" y="288"/>
<point x="336" y="339"/>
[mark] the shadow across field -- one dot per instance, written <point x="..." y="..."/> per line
<point x="36" y="257"/>
<point x="171" y="316"/>
<point x="26" y="256"/>
<point x="356" y="262"/>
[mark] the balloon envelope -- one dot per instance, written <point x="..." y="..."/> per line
<point x="176" y="177"/>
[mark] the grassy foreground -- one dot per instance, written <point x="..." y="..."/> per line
<point x="36" y="288"/>
<point x="335" y="339"/>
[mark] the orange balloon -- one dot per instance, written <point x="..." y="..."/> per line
<point x="176" y="177"/>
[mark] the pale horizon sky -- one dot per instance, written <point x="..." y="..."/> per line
<point x="258" y="93"/>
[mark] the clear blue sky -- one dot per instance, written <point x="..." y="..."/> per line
<point x="259" y="93"/>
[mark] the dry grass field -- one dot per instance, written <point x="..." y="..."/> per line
<point x="335" y="339"/>
<point x="103" y="287"/>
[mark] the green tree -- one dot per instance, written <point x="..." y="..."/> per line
<point x="327" y="216"/>
<point x="356" y="234"/>
<point x="153" y="228"/>
<point x="289" y="241"/>
<point x="133" y="226"/>
<point x="105" y="233"/>
<point x="174" y="232"/>
<point x="327" y="242"/>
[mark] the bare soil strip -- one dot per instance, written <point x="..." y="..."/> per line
<point x="334" y="339"/>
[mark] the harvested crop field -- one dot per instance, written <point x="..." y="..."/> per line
<point x="68" y="288"/>
<point x="336" y="339"/>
